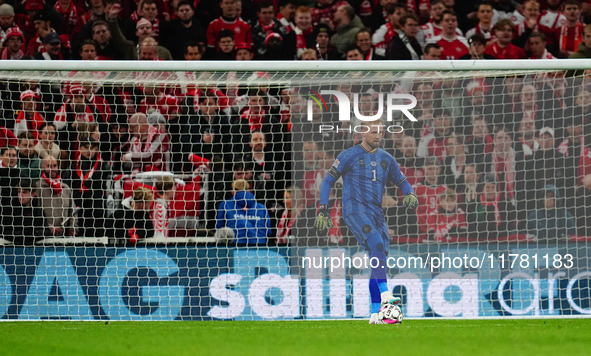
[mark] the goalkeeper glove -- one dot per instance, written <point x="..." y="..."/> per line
<point x="410" y="201"/>
<point x="323" y="220"/>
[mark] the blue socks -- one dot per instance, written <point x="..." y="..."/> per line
<point x="377" y="282"/>
<point x="374" y="292"/>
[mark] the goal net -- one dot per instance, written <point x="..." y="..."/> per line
<point x="189" y="191"/>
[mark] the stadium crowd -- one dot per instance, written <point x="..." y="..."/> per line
<point x="490" y="158"/>
<point x="296" y="29"/>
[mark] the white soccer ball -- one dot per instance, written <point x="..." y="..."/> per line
<point x="391" y="314"/>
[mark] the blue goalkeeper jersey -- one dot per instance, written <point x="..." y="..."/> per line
<point x="364" y="179"/>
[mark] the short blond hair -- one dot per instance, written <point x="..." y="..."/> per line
<point x="533" y="2"/>
<point x="164" y="184"/>
<point x="240" y="185"/>
<point x="148" y="41"/>
<point x="374" y="122"/>
<point x="85" y="129"/>
<point x="308" y="51"/>
<point x="142" y="195"/>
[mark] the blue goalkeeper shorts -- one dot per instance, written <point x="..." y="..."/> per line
<point x="369" y="230"/>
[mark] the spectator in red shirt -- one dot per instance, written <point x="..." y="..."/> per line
<point x="442" y="125"/>
<point x="304" y="31"/>
<point x="149" y="11"/>
<point x="410" y="165"/>
<point x="503" y="164"/>
<point x="569" y="36"/>
<point x="531" y="23"/>
<point x="502" y="48"/>
<point x="165" y="190"/>
<point x="29" y="118"/>
<point x="149" y="149"/>
<point x="552" y="18"/>
<point x="53" y="48"/>
<point x="427" y="191"/>
<point x="453" y="46"/>
<point x="576" y="153"/>
<point x="95" y="12"/>
<point x="433" y="27"/>
<point x="76" y="109"/>
<point x="13" y="44"/>
<point x="448" y="221"/>
<point x="71" y="19"/>
<point x="312" y="157"/>
<point x="42" y="22"/>
<point x="485" y="25"/>
<point x="228" y="21"/>
<point x="294" y="206"/>
<point x="155" y="99"/>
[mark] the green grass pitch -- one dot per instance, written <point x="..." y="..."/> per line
<point x="413" y="337"/>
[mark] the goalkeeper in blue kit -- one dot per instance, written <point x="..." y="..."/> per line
<point x="365" y="169"/>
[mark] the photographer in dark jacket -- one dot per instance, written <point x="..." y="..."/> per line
<point x="88" y="177"/>
<point x="23" y="222"/>
<point x="9" y="174"/>
<point x="133" y="222"/>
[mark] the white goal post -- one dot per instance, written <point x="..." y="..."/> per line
<point x="178" y="190"/>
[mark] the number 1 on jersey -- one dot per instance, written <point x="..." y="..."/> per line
<point x="375" y="176"/>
